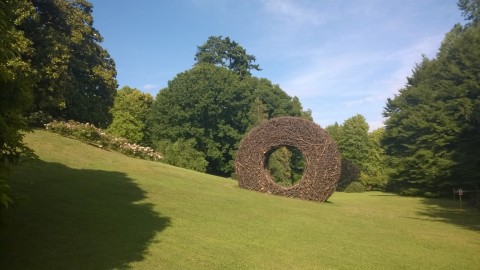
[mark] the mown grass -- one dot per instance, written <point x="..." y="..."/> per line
<point x="87" y="208"/>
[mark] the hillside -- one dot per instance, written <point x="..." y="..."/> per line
<point x="81" y="207"/>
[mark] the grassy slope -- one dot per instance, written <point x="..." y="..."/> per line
<point x="87" y="208"/>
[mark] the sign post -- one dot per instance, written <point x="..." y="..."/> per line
<point x="460" y="194"/>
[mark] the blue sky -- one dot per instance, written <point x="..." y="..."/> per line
<point x="339" y="57"/>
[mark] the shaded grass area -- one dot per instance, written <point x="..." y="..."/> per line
<point x="69" y="218"/>
<point x="449" y="211"/>
<point x="87" y="208"/>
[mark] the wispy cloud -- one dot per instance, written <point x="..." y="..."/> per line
<point x="293" y="12"/>
<point x="148" y="87"/>
<point x="356" y="81"/>
<point x="332" y="74"/>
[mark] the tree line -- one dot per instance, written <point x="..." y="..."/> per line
<point x="198" y="120"/>
<point x="432" y="131"/>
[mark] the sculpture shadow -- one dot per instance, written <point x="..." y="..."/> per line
<point x="77" y="219"/>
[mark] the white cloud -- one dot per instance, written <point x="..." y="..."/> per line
<point x="375" y="125"/>
<point x="292" y="12"/>
<point x="367" y="75"/>
<point x="365" y="100"/>
<point x="148" y="87"/>
<point x="357" y="81"/>
<point x="337" y="75"/>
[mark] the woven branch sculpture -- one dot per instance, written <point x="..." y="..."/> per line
<point x="322" y="171"/>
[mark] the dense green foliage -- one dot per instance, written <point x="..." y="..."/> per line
<point x="376" y="177"/>
<point x="286" y="165"/>
<point x="355" y="187"/>
<point x="16" y="82"/>
<point x="350" y="172"/>
<point x="432" y="133"/>
<point x="130" y="112"/>
<point x="257" y="113"/>
<point x="215" y="107"/>
<point x="207" y="104"/>
<point x="363" y="158"/>
<point x="470" y="10"/>
<point x="75" y="76"/>
<point x="182" y="153"/>
<point x="226" y="53"/>
<point x="354" y="143"/>
<point x="335" y="131"/>
<point x="51" y="64"/>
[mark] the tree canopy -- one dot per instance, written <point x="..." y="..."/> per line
<point x="470" y="10"/>
<point x="214" y="107"/>
<point x="16" y="82"/>
<point x="51" y="62"/>
<point x="354" y="143"/>
<point x="363" y="157"/>
<point x="75" y="75"/>
<point x="432" y="133"/>
<point x="207" y="104"/>
<point x="130" y="112"/>
<point x="226" y="53"/>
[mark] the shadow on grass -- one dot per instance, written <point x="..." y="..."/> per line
<point x="448" y="211"/>
<point x="77" y="219"/>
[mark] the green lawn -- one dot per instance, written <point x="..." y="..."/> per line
<point x="82" y="207"/>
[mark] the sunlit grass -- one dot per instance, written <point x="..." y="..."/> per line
<point x="87" y="208"/>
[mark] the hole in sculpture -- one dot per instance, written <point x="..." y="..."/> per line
<point x="285" y="165"/>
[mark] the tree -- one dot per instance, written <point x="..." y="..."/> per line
<point x="130" y="112"/>
<point x="257" y="113"/>
<point x="470" y="9"/>
<point x="417" y="137"/>
<point x="363" y="157"/>
<point x="207" y="104"/>
<point x="223" y="52"/>
<point x="16" y="82"/>
<point x="216" y="102"/>
<point x="432" y="131"/>
<point x="213" y="106"/>
<point x="335" y="131"/>
<point x="75" y="75"/>
<point x="347" y="143"/>
<point x="378" y="169"/>
<point x="354" y="143"/>
<point x="277" y="102"/>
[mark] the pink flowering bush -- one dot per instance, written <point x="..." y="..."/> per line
<point x="96" y="136"/>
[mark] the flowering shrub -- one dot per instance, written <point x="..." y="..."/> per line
<point x="93" y="135"/>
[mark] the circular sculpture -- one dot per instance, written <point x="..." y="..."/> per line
<point x="322" y="171"/>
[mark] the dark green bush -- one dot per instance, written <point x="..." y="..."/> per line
<point x="431" y="194"/>
<point x="350" y="172"/>
<point x="182" y="153"/>
<point x="412" y="192"/>
<point x="355" y="187"/>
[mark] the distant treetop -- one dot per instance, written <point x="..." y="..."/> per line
<point x="226" y="53"/>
